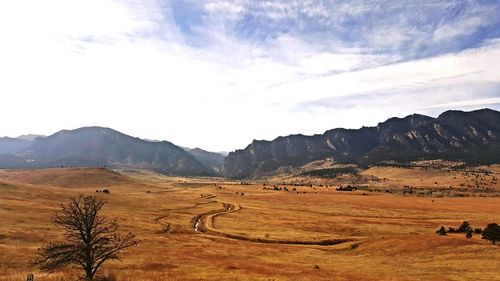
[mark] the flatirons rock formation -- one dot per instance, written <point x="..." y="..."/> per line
<point x="456" y="135"/>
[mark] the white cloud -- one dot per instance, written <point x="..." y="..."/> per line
<point x="424" y="73"/>
<point x="466" y="103"/>
<point x="126" y="65"/>
<point x="464" y="27"/>
<point x="230" y="10"/>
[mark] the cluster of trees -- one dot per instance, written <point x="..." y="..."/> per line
<point x="277" y="188"/>
<point x="331" y="172"/>
<point x="490" y="233"/>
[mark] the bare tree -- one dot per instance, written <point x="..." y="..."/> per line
<point x="90" y="240"/>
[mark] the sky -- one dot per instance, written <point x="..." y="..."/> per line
<point x="219" y="74"/>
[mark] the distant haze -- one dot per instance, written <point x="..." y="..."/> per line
<point x="217" y="75"/>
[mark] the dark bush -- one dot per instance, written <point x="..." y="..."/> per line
<point x="492" y="233"/>
<point x="441" y="231"/>
<point x="464" y="227"/>
<point x="346" y="188"/>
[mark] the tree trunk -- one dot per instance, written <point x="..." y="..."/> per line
<point x="89" y="275"/>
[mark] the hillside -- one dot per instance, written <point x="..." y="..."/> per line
<point x="468" y="136"/>
<point x="12" y="145"/>
<point x="211" y="160"/>
<point x="66" y="177"/>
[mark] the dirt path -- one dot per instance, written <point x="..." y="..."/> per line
<point x="204" y="223"/>
<point x="183" y="208"/>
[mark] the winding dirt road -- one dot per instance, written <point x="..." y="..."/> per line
<point x="204" y="223"/>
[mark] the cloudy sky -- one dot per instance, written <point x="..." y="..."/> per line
<point x="218" y="74"/>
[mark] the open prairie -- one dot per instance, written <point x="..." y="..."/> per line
<point x="214" y="229"/>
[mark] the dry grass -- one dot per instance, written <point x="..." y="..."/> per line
<point x="65" y="177"/>
<point x="394" y="235"/>
<point x="437" y="178"/>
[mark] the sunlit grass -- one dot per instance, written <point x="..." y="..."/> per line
<point x="394" y="235"/>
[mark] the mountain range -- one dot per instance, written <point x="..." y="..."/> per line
<point x="10" y="145"/>
<point x="472" y="137"/>
<point x="97" y="146"/>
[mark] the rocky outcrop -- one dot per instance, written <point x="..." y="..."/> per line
<point x="468" y="136"/>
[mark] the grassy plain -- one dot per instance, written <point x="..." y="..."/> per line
<point x="389" y="236"/>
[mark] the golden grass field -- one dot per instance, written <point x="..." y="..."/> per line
<point x="254" y="236"/>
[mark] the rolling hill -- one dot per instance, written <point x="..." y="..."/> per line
<point x="66" y="177"/>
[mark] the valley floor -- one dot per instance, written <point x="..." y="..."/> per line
<point x="212" y="229"/>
